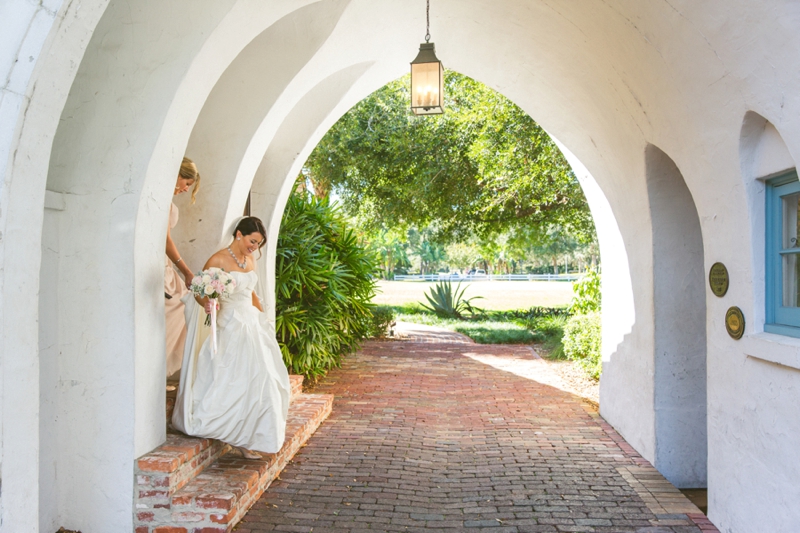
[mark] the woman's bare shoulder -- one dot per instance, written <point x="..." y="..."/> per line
<point x="218" y="260"/>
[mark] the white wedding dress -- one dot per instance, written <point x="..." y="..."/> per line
<point x="239" y="395"/>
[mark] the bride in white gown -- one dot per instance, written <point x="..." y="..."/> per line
<point x="240" y="394"/>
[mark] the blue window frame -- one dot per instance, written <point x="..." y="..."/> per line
<point x="783" y="255"/>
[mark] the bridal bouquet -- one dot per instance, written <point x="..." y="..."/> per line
<point x="212" y="283"/>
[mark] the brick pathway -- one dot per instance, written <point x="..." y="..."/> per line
<point x="431" y="437"/>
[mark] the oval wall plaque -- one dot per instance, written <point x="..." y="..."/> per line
<point x="718" y="279"/>
<point x="734" y="322"/>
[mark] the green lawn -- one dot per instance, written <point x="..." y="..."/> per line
<point x="496" y="295"/>
<point x="496" y="332"/>
<point x="489" y="331"/>
<point x="494" y="327"/>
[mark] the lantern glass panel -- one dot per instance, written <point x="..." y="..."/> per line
<point x="426" y="87"/>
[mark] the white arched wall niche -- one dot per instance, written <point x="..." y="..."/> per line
<point x="679" y="302"/>
<point x="607" y="79"/>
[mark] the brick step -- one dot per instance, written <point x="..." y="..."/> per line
<point x="296" y="383"/>
<point x="180" y="459"/>
<point x="217" y="497"/>
<point x="168" y="468"/>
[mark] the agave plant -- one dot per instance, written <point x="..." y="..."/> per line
<point x="446" y="302"/>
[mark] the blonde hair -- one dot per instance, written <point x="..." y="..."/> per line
<point x="188" y="171"/>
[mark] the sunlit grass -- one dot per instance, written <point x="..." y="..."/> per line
<point x="494" y="327"/>
<point x="496" y="332"/>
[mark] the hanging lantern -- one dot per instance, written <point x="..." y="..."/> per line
<point x="427" y="78"/>
<point x="427" y="82"/>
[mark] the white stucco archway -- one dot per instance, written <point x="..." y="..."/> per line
<point x="114" y="93"/>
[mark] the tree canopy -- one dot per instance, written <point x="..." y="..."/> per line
<point x="483" y="168"/>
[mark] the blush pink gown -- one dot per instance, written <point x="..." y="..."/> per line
<point x="175" y="321"/>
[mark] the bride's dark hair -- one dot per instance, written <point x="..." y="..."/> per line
<point x="250" y="225"/>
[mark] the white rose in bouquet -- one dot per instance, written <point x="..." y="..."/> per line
<point x="213" y="284"/>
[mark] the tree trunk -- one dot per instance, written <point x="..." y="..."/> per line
<point x="390" y="273"/>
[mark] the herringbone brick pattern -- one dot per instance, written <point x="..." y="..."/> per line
<point x="425" y="437"/>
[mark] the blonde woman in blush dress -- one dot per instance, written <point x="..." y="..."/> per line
<point x="175" y="287"/>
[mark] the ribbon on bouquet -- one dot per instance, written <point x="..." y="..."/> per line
<point x="213" y="314"/>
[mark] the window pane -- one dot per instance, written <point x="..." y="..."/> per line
<point x="789" y="240"/>
<point x="790" y="220"/>
<point x="791" y="275"/>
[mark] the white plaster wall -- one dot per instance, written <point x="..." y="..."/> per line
<point x="49" y="365"/>
<point x="679" y="352"/>
<point x="24" y="28"/>
<point x="618" y="308"/>
<point x="605" y="78"/>
<point x="41" y="44"/>
<point x="754" y="468"/>
<point x="758" y="377"/>
<point x="619" y="314"/>
<point x="770" y="155"/>
<point x="629" y="350"/>
<point x="758" y="67"/>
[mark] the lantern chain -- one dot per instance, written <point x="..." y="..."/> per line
<point x="428" y="18"/>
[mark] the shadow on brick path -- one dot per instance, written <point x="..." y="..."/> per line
<point x="426" y="437"/>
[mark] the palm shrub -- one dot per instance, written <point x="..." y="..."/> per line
<point x="324" y="285"/>
<point x="446" y="302"/>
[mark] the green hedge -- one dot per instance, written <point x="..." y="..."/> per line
<point x="587" y="294"/>
<point x="382" y="322"/>
<point x="582" y="341"/>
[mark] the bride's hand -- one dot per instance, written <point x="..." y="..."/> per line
<point x="208" y="306"/>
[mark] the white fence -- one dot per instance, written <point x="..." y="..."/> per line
<point x="443" y="276"/>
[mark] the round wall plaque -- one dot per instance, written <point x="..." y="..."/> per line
<point x="734" y="322"/>
<point x="718" y="279"/>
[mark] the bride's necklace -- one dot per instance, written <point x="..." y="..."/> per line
<point x="241" y="265"/>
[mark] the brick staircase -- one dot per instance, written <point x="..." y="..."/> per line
<point x="193" y="485"/>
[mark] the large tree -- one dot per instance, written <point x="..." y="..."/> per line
<point x="483" y="168"/>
